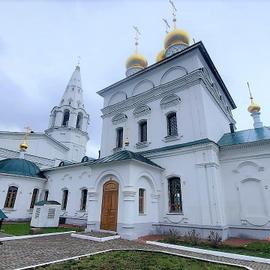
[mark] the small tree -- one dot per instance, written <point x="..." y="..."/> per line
<point x="215" y="239"/>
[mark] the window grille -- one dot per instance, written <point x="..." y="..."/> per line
<point x="172" y="124"/>
<point x="175" y="195"/>
<point x="64" y="199"/>
<point x="34" y="198"/>
<point x="83" y="200"/>
<point x="141" y="200"/>
<point x="11" y="197"/>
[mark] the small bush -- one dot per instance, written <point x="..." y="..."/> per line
<point x="215" y="239"/>
<point x="192" y="237"/>
<point x="173" y="236"/>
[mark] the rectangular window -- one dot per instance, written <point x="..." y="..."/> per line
<point x="34" y="198"/>
<point x="172" y="124"/>
<point x="141" y="200"/>
<point x="83" y="200"/>
<point x="46" y="195"/>
<point x="65" y="199"/>
<point x="11" y="197"/>
<point x="175" y="195"/>
<point x="143" y="131"/>
<point x="119" y="137"/>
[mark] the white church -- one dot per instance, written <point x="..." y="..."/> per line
<point x="170" y="156"/>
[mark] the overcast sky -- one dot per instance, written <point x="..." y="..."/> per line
<point x="40" y="42"/>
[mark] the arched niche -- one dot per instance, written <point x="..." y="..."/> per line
<point x="142" y="86"/>
<point x="141" y="110"/>
<point x="169" y="101"/>
<point x="117" y="97"/>
<point x="119" y="118"/>
<point x="172" y="74"/>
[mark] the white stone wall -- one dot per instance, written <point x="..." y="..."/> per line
<point x="25" y="186"/>
<point x="246" y="182"/>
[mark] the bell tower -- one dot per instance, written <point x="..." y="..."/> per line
<point x="69" y="121"/>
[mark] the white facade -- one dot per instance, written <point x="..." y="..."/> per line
<point x="223" y="175"/>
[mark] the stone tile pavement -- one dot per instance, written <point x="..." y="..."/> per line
<point x="21" y="253"/>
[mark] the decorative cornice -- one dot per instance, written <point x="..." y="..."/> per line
<point x="195" y="77"/>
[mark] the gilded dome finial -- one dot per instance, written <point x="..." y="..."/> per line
<point x="253" y="107"/>
<point x="136" y="61"/>
<point x="24" y="144"/>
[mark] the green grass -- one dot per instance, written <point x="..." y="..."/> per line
<point x="258" y="249"/>
<point x="137" y="260"/>
<point x="23" y="228"/>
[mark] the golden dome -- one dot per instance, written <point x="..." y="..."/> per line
<point x="254" y="107"/>
<point x="160" y="56"/>
<point x="136" y="60"/>
<point x="23" y="146"/>
<point x="176" y="36"/>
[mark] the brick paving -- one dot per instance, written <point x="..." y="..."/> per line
<point x="21" y="253"/>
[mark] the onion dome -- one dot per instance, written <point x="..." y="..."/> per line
<point x="21" y="167"/>
<point x="160" y="56"/>
<point x="136" y="60"/>
<point x="176" y="37"/>
<point x="254" y="107"/>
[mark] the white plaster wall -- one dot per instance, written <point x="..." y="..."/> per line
<point x="198" y="170"/>
<point x="25" y="186"/>
<point x="246" y="182"/>
<point x="39" y="145"/>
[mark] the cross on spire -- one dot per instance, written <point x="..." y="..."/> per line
<point x="174" y="10"/>
<point x="137" y="33"/>
<point x="166" y="25"/>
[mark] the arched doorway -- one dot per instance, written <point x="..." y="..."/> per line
<point x="109" y="206"/>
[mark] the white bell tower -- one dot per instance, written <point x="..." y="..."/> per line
<point x="69" y="121"/>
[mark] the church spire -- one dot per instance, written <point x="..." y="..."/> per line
<point x="73" y="95"/>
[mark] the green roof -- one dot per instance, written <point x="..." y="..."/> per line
<point x="176" y="146"/>
<point x="2" y="215"/>
<point x="18" y="166"/>
<point x="41" y="203"/>
<point x="123" y="155"/>
<point x="245" y="136"/>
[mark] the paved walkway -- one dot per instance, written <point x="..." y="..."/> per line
<point x="22" y="253"/>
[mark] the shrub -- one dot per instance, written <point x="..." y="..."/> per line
<point x="215" y="239"/>
<point x="172" y="236"/>
<point x="192" y="237"/>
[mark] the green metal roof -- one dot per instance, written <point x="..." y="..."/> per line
<point x="18" y="166"/>
<point x="176" y="146"/>
<point x="123" y="155"/>
<point x="2" y="215"/>
<point x="41" y="203"/>
<point x="245" y="136"/>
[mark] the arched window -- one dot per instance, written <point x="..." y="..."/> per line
<point x="175" y="195"/>
<point x="79" y="120"/>
<point x="65" y="118"/>
<point x="11" y="197"/>
<point x="83" y="199"/>
<point x="143" y="131"/>
<point x="172" y="124"/>
<point x="34" y="198"/>
<point x="119" y="137"/>
<point x="64" y="199"/>
<point x="141" y="201"/>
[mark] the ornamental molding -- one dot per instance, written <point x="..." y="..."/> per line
<point x="193" y="78"/>
<point x="119" y="118"/>
<point x="169" y="101"/>
<point x="141" y="110"/>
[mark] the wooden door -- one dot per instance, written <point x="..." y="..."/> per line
<point x="109" y="206"/>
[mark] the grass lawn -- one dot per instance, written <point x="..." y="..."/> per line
<point x="258" y="249"/>
<point x="23" y="228"/>
<point x="137" y="260"/>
